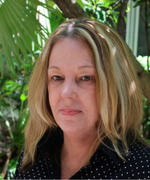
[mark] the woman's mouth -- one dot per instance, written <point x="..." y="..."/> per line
<point x="69" y="112"/>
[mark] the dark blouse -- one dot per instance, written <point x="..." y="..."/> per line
<point x="104" y="164"/>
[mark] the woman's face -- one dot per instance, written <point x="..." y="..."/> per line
<point x="72" y="87"/>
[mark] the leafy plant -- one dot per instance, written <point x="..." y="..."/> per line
<point x="146" y="105"/>
<point x="13" y="117"/>
<point x="102" y="10"/>
<point x="1" y="177"/>
<point x="20" y="29"/>
<point x="144" y="4"/>
<point x="143" y="61"/>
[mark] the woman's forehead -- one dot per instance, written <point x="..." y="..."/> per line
<point x="70" y="49"/>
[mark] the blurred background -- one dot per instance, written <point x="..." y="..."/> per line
<point x="25" y="25"/>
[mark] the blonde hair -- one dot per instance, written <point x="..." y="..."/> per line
<point x="118" y="92"/>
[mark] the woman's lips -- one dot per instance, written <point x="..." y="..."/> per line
<point x="69" y="112"/>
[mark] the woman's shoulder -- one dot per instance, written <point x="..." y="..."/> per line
<point x="137" y="161"/>
<point x="36" y="171"/>
<point x="19" y="165"/>
<point x="139" y="151"/>
<point x="136" y="164"/>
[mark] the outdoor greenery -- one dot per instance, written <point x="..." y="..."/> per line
<point x="25" y="26"/>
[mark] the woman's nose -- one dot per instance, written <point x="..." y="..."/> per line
<point x="68" y="89"/>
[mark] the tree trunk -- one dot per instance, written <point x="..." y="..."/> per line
<point x="121" y="26"/>
<point x="71" y="9"/>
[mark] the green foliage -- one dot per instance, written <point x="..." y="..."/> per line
<point x="13" y="111"/>
<point x="144" y="60"/>
<point x="13" y="116"/>
<point x="142" y="3"/>
<point x="1" y="177"/>
<point x="20" y="29"/>
<point x="81" y="4"/>
<point x="139" y="2"/>
<point x="102" y="10"/>
<point x="56" y="18"/>
<point x="12" y="168"/>
<point x="146" y="119"/>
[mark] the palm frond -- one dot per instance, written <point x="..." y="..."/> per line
<point x="19" y="28"/>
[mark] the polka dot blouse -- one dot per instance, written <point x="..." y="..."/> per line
<point x="104" y="164"/>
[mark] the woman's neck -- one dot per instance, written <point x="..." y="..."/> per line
<point x="78" y="146"/>
<point x="75" y="153"/>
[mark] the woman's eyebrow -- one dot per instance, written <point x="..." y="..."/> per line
<point x="53" y="67"/>
<point x="86" y="66"/>
<point x="80" y="67"/>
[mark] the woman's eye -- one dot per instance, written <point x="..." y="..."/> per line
<point x="86" y="78"/>
<point x="57" y="78"/>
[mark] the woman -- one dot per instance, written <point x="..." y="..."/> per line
<point x="85" y="108"/>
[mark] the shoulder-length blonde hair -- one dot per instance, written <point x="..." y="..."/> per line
<point x="118" y="92"/>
